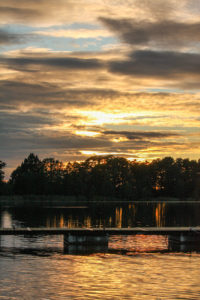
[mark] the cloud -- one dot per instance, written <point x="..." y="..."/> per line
<point x="32" y="12"/>
<point x="47" y="132"/>
<point x="25" y="132"/>
<point x="28" y="63"/>
<point x="31" y="134"/>
<point x="17" y="14"/>
<point x="154" y="64"/>
<point x="163" y="33"/>
<point x="49" y="12"/>
<point x="9" y="38"/>
<point x="17" y="93"/>
<point x="159" y="9"/>
<point x="146" y="68"/>
<point x="122" y="101"/>
<point x="168" y="69"/>
<point x="23" y="94"/>
<point x="13" y="124"/>
<point x="140" y="135"/>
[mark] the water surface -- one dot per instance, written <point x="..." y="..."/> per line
<point x="133" y="267"/>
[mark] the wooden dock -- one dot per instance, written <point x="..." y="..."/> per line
<point x="99" y="231"/>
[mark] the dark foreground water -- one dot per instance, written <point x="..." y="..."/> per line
<point x="133" y="267"/>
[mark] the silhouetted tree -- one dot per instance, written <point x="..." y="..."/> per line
<point x="141" y="179"/>
<point x="28" y="178"/>
<point x="53" y="172"/>
<point x="166" y="176"/>
<point x="107" y="176"/>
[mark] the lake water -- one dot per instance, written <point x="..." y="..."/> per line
<point x="133" y="267"/>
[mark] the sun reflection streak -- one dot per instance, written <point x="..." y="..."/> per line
<point x="118" y="217"/>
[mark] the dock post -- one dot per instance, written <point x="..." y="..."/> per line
<point x="185" y="241"/>
<point x="86" y="242"/>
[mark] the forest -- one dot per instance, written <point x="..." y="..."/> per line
<point x="105" y="176"/>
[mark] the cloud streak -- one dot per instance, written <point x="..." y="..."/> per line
<point x="52" y="62"/>
<point x="138" y="135"/>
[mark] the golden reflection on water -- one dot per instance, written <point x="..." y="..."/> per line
<point x="131" y="214"/>
<point x="160" y="214"/>
<point x="62" y="222"/>
<point x="102" y="276"/>
<point x="132" y="208"/>
<point x="87" y="222"/>
<point x="56" y="221"/>
<point x="140" y="273"/>
<point x="139" y="243"/>
<point x="70" y="222"/>
<point x="110" y="221"/>
<point x="118" y="217"/>
<point x="122" y="217"/>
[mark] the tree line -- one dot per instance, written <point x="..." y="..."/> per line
<point x="106" y="176"/>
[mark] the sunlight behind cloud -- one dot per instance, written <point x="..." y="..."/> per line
<point x="87" y="133"/>
<point x="97" y="153"/>
<point x="102" y="118"/>
<point x="120" y="139"/>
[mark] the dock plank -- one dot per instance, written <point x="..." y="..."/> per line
<point x="109" y="231"/>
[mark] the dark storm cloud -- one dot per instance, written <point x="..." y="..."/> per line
<point x="71" y="63"/>
<point x="158" y="64"/>
<point x="163" y="33"/>
<point x="140" y="135"/>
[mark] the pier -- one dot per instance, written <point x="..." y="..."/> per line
<point x="87" y="240"/>
<point x="109" y="231"/>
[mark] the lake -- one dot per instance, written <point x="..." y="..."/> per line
<point x="133" y="267"/>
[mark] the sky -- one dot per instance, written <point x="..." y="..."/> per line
<point x="94" y="77"/>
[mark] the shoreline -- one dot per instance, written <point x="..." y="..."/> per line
<point x="64" y="200"/>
